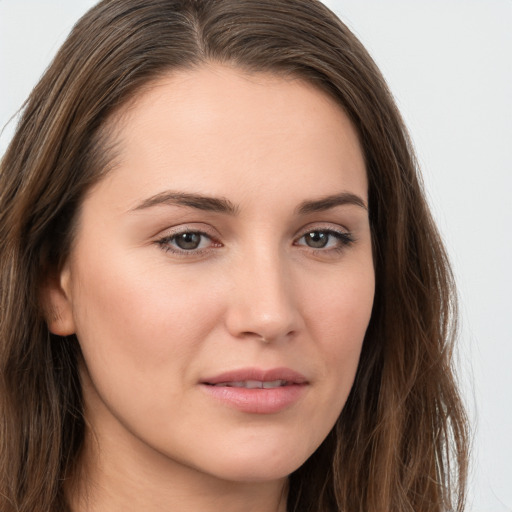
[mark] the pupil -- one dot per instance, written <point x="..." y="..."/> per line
<point x="188" y="241"/>
<point x="317" y="239"/>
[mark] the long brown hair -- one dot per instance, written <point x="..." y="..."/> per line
<point x="400" y="443"/>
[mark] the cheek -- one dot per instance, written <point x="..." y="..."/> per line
<point x="340" y="311"/>
<point x="338" y="316"/>
<point x="139" y="317"/>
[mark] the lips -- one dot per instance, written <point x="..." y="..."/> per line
<point x="257" y="391"/>
<point x="285" y="376"/>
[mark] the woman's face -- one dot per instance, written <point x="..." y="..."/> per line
<point x="221" y="279"/>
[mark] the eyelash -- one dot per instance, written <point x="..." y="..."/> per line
<point x="344" y="240"/>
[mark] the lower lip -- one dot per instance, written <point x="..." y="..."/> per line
<point x="257" y="401"/>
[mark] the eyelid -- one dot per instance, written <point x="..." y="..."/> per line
<point x="189" y="227"/>
<point x="322" y="226"/>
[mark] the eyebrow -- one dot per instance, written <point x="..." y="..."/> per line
<point x="222" y="205"/>
<point x="198" y="201"/>
<point x="326" y="203"/>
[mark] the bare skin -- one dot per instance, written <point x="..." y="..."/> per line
<point x="231" y="236"/>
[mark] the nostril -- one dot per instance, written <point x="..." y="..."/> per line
<point x="267" y="338"/>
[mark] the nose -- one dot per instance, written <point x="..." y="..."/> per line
<point x="263" y="305"/>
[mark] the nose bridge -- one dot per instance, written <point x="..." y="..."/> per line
<point x="262" y="300"/>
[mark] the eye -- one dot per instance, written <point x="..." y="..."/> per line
<point x="187" y="242"/>
<point x="325" y="239"/>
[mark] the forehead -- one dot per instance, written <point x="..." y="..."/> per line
<point x="217" y="130"/>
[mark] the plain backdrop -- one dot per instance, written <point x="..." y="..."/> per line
<point x="449" y="65"/>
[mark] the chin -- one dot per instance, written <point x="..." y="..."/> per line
<point x="260" y="467"/>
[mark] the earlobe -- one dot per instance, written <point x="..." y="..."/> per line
<point x="57" y="304"/>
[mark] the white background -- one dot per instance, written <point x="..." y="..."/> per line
<point x="449" y="65"/>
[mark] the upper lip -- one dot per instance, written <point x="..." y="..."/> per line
<point x="257" y="374"/>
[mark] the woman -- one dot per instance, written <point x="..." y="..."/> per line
<point x="221" y="285"/>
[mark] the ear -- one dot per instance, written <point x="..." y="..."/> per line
<point x="57" y="303"/>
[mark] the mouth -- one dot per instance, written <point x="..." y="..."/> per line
<point x="257" y="391"/>
<point x="256" y="378"/>
<point x="253" y="384"/>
